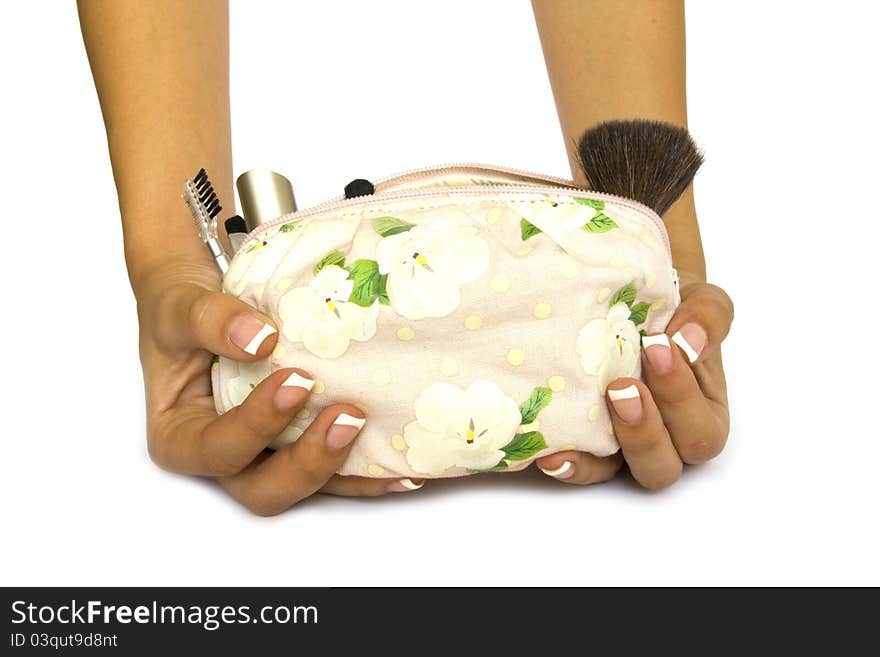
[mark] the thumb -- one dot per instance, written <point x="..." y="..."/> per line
<point x="191" y="316"/>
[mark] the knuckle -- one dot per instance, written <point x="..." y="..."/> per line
<point x="661" y="479"/>
<point x="306" y="465"/>
<point x="639" y="443"/>
<point x="218" y="464"/>
<point x="158" y="454"/>
<point x="262" y="508"/>
<point x="701" y="449"/>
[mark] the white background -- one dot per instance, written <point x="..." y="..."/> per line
<point x="782" y="98"/>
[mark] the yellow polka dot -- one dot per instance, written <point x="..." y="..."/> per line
<point x="318" y="388"/>
<point x="658" y="304"/>
<point x="556" y="383"/>
<point x="569" y="268"/>
<point x="604" y="293"/>
<point x="526" y="250"/>
<point x="594" y="412"/>
<point x="543" y="310"/>
<point x="375" y="470"/>
<point x="398" y="442"/>
<point x="567" y="447"/>
<point x="516" y="357"/>
<point x="283" y="284"/>
<point x="493" y="215"/>
<point x="610" y="429"/>
<point x="279" y="351"/>
<point x="381" y="377"/>
<point x="362" y="407"/>
<point x="405" y="333"/>
<point x="617" y="263"/>
<point x="650" y="241"/>
<point x="304" y="414"/>
<point x="473" y="322"/>
<point x="650" y="279"/>
<point x="500" y="282"/>
<point x="449" y="366"/>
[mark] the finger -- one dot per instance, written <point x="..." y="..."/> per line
<point x="702" y="320"/>
<point x="205" y="444"/>
<point x="369" y="487"/>
<point x="696" y="429"/>
<point x="191" y="316"/>
<point x="298" y="470"/>
<point x="580" y="467"/>
<point x="643" y="438"/>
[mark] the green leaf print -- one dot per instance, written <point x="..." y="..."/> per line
<point x="333" y="258"/>
<point x="367" y="280"/>
<point x="383" y="290"/>
<point x="601" y="223"/>
<point x="286" y="228"/>
<point x="639" y="312"/>
<point x="523" y="446"/>
<point x="388" y="226"/>
<point x="528" y="229"/>
<point x="539" y="399"/>
<point x="626" y="294"/>
<point x="599" y="205"/>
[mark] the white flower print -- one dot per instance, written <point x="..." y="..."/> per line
<point x="461" y="428"/>
<point x="427" y="264"/>
<point x="249" y="375"/>
<point x="239" y="387"/>
<point x="321" y="317"/>
<point x="609" y="347"/>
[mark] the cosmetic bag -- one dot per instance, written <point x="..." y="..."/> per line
<point x="475" y="315"/>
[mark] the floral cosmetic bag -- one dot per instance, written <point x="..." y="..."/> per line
<point x="475" y="314"/>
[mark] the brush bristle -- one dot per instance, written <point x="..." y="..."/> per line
<point x="648" y="161"/>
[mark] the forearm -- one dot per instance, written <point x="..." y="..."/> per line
<point x="161" y="70"/>
<point x="621" y="59"/>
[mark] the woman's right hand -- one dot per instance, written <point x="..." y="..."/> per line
<point x="184" y="320"/>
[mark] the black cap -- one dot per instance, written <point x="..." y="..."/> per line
<point x="235" y="224"/>
<point x="359" y="187"/>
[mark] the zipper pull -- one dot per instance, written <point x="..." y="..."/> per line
<point x="359" y="187"/>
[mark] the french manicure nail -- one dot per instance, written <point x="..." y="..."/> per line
<point x="658" y="352"/>
<point x="627" y="404"/>
<point x="298" y="381"/>
<point x="405" y="485"/>
<point x="692" y="339"/>
<point x="248" y="333"/>
<point x="343" y="430"/>
<point x="564" y="471"/>
<point x="290" y="393"/>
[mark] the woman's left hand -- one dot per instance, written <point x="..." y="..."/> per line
<point x="679" y="414"/>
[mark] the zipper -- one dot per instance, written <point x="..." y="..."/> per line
<point x="427" y="172"/>
<point x="547" y="184"/>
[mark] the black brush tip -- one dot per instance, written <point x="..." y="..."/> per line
<point x="648" y="161"/>
<point x="235" y="224"/>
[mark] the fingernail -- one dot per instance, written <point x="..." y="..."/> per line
<point x="627" y="404"/>
<point x="564" y="471"/>
<point x="405" y="485"/>
<point x="248" y="333"/>
<point x="658" y="352"/>
<point x="291" y="391"/>
<point x="343" y="430"/>
<point x="692" y="339"/>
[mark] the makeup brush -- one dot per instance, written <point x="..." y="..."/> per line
<point x="648" y="161"/>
